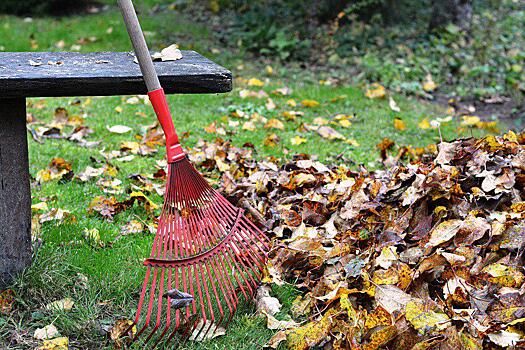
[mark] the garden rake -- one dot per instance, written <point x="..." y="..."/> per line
<point x="206" y="255"/>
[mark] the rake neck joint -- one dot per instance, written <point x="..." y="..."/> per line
<point x="174" y="150"/>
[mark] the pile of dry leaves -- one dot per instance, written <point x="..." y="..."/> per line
<point x="418" y="256"/>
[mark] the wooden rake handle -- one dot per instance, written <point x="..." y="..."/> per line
<point x="139" y="44"/>
<point x="155" y="92"/>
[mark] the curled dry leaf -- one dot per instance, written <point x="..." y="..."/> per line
<point x="170" y="53"/>
<point x="265" y="303"/>
<point x="47" y="332"/>
<point x="122" y="332"/>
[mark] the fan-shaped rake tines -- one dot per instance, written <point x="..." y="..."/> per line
<point x="206" y="258"/>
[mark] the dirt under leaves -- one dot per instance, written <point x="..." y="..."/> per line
<point x="417" y="256"/>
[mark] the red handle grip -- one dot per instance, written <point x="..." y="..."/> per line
<point x="160" y="105"/>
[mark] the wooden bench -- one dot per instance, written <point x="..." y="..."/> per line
<point x="48" y="74"/>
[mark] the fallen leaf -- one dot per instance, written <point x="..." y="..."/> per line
<point x="266" y="303"/>
<point x="275" y="340"/>
<point x="61" y="343"/>
<point x="47" y="332"/>
<point x="206" y="330"/>
<point x="274" y="124"/>
<point x="424" y="124"/>
<point x="297" y="140"/>
<point x="119" y="129"/>
<point x="56" y="214"/>
<point x="7" y="300"/>
<point x="133" y="226"/>
<point x="274" y="324"/>
<point x="444" y="232"/>
<point x="399" y="124"/>
<point x="329" y="133"/>
<point x="65" y="304"/>
<point x="122" y="332"/>
<point x="393" y="105"/>
<point x="310" y="334"/>
<point x="429" y="85"/>
<point x="310" y="103"/>
<point x="255" y="82"/>
<point x="505" y="338"/>
<point x="376" y="90"/>
<point x="170" y="53"/>
<point x="425" y="321"/>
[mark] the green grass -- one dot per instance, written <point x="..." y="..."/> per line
<point x="115" y="273"/>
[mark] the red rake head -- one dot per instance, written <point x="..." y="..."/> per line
<point x="206" y="257"/>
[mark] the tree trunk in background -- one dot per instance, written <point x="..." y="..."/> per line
<point x="458" y="12"/>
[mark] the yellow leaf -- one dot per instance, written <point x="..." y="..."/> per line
<point x="347" y="305"/>
<point x="380" y="338"/>
<point x="345" y="123"/>
<point x="310" y="103"/>
<point x="310" y="334"/>
<point x="376" y="91"/>
<point x="470" y="120"/>
<point x="92" y="236"/>
<point x="378" y="317"/>
<point x="271" y="140"/>
<point x="424" y="124"/>
<point x="297" y="140"/>
<point x="352" y="142"/>
<point x="255" y="82"/>
<point x="291" y="102"/>
<point x="489" y="126"/>
<point x="425" y="321"/>
<point x="507" y="276"/>
<point x="269" y="70"/>
<point x="149" y="202"/>
<point x="61" y="343"/>
<point x="291" y="115"/>
<point x="399" y="124"/>
<point x="40" y="206"/>
<point x="511" y="136"/>
<point x="118" y="109"/>
<point x="429" y="85"/>
<point x="274" y="124"/>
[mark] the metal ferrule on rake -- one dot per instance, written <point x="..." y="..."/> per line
<point x="206" y="256"/>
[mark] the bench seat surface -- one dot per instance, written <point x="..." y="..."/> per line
<point x="46" y="74"/>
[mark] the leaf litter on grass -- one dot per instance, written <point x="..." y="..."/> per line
<point x="424" y="254"/>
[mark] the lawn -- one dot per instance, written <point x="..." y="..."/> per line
<point x="104" y="279"/>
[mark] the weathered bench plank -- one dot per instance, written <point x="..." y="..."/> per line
<point x="103" y="74"/>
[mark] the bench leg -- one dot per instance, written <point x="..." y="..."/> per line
<point x="15" y="192"/>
